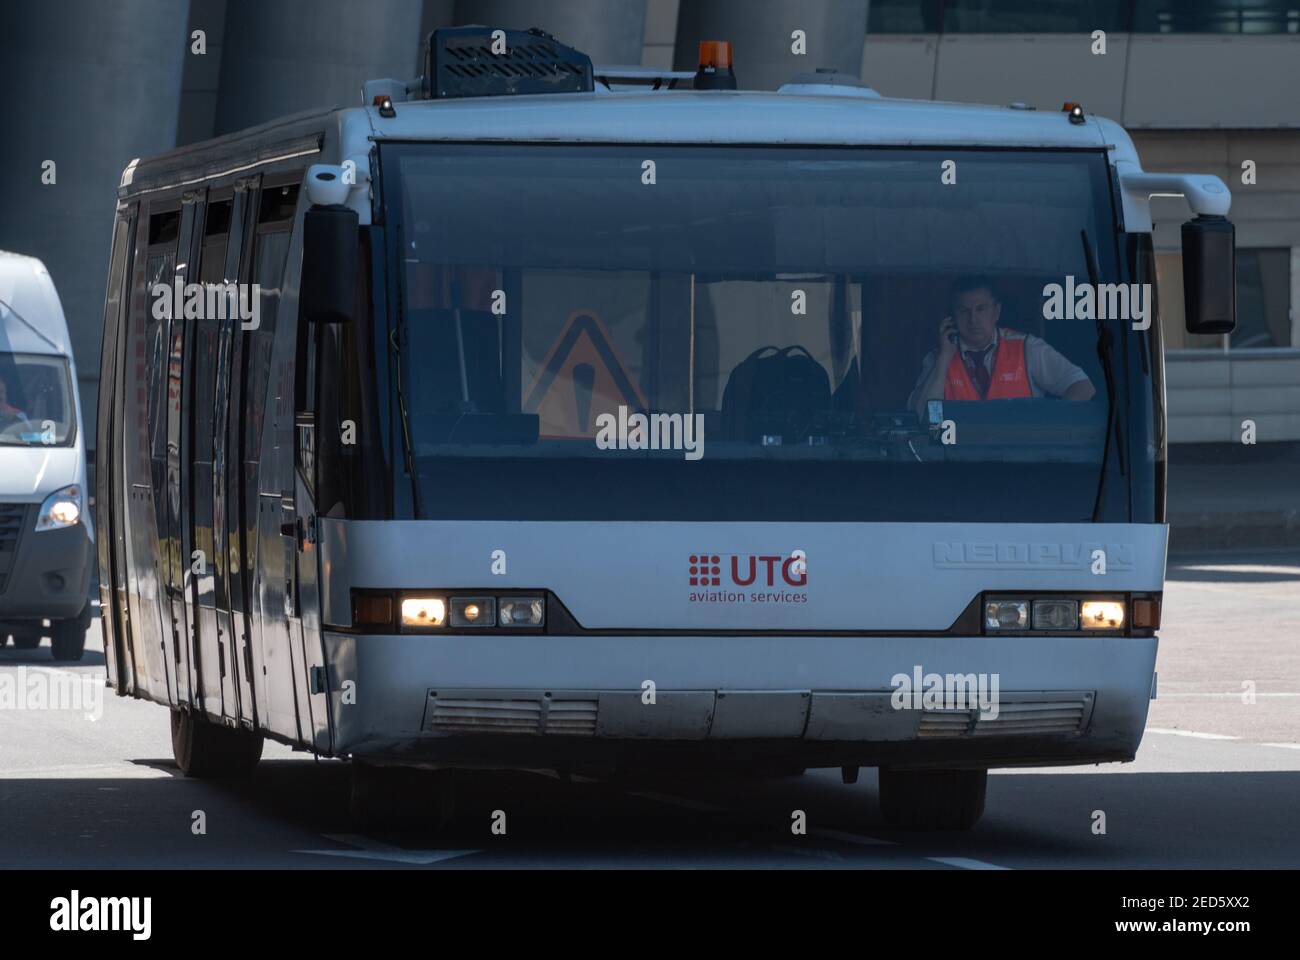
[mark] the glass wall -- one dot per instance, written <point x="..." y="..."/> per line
<point x="1084" y="16"/>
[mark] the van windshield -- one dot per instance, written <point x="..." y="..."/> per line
<point x="707" y="332"/>
<point x="36" y="407"/>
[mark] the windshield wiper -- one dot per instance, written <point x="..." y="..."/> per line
<point x="1105" y="341"/>
<point x="395" y="348"/>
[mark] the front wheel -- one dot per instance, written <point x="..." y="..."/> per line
<point x="932" y="799"/>
<point x="68" y="637"/>
<point x="204" y="749"/>
<point x="27" y="641"/>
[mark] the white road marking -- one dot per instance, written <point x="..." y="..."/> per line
<point x="1191" y="733"/>
<point x="966" y="863"/>
<point x="376" y="850"/>
<point x="807" y="852"/>
<point x="678" y="801"/>
<point x="1284" y="746"/>
<point x="1234" y="694"/>
<point x="843" y="837"/>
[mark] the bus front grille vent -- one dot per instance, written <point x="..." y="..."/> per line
<point x="1031" y="718"/>
<point x="541" y="716"/>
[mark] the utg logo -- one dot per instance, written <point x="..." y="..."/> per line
<point x="705" y="570"/>
<point x="747" y="569"/>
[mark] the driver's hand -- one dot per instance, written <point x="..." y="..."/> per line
<point x="947" y="338"/>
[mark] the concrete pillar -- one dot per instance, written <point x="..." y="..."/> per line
<point x="88" y="86"/>
<point x="292" y="55"/>
<point x="611" y="33"/>
<point x="761" y="31"/>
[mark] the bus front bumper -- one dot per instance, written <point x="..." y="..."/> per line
<point x="556" y="701"/>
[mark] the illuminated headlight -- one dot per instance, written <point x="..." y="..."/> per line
<point x="423" y="612"/>
<point x="521" y="611"/>
<point x="1006" y="614"/>
<point x="1056" y="614"/>
<point x="1102" y="614"/>
<point x="473" y="611"/>
<point x="62" y="508"/>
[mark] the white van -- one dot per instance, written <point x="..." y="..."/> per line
<point x="46" y="541"/>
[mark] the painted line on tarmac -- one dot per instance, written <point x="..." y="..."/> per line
<point x="856" y="838"/>
<point x="678" y="801"/>
<point x="966" y="863"/>
<point x="1191" y="733"/>
<point x="807" y="852"/>
<point x="375" y="850"/>
<point x="1234" y="694"/>
<point x="1284" y="746"/>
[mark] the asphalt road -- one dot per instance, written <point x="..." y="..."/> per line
<point x="1215" y="784"/>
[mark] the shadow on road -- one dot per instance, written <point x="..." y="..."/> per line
<point x="1161" y="820"/>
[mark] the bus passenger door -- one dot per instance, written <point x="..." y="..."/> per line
<point x="227" y="505"/>
<point x="205" y="669"/>
<point x="207" y="394"/>
<point x="109" y="502"/>
<point x="266" y="430"/>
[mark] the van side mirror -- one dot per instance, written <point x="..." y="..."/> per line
<point x="331" y="243"/>
<point x="1210" y="275"/>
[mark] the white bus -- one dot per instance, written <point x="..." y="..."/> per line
<point x="589" y="427"/>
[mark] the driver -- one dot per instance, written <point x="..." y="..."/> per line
<point x="995" y="362"/>
<point x="7" y="410"/>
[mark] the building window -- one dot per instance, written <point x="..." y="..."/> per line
<point x="1264" y="302"/>
<point x="1084" y="16"/>
<point x="1216" y="16"/>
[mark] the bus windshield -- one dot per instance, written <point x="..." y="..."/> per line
<point x="35" y="401"/>
<point x="752" y="333"/>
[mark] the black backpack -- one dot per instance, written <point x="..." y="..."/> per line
<point x="775" y="392"/>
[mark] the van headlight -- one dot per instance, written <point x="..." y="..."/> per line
<point x="62" y="508"/>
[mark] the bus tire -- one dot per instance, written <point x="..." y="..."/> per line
<point x="207" y="750"/>
<point x="399" y="798"/>
<point x="68" y="637"/>
<point x="27" y="641"/>
<point x="932" y="799"/>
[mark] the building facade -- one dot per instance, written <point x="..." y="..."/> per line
<point x="1204" y="85"/>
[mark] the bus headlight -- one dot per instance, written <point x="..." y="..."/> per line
<point x="522" y="611"/>
<point x="62" y="508"/>
<point x="473" y="611"/>
<point x="1006" y="614"/>
<point x="1102" y="614"/>
<point x="1056" y="614"/>
<point x="423" y="612"/>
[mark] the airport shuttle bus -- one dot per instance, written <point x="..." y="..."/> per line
<point x="536" y="416"/>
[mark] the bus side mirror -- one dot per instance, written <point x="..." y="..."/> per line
<point x="1210" y="275"/>
<point x="331" y="243"/>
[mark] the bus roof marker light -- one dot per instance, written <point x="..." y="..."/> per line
<point x="715" y="72"/>
<point x="385" y="104"/>
<point x="1075" y="111"/>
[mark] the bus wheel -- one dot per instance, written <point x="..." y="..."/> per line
<point x="932" y="799"/>
<point x="400" y="798"/>
<point x="27" y="641"/>
<point x="68" y="637"/>
<point x="204" y="749"/>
